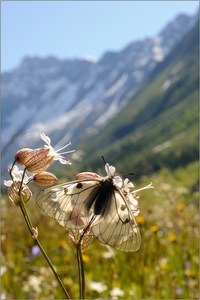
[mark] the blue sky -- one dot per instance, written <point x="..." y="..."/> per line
<point x="69" y="29"/>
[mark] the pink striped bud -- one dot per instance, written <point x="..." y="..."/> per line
<point x="45" y="178"/>
<point x="39" y="159"/>
<point x="23" y="155"/>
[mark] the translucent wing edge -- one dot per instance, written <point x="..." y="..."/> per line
<point x="131" y="244"/>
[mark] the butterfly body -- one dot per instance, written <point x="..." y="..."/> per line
<point x="101" y="197"/>
<point x="96" y="202"/>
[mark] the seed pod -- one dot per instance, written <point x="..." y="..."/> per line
<point x="45" y="178"/>
<point x="38" y="160"/>
<point x="23" y="155"/>
<point x="15" y="197"/>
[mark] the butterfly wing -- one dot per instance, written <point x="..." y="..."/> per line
<point x="66" y="202"/>
<point x="118" y="227"/>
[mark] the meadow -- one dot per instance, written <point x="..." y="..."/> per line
<point x="165" y="267"/>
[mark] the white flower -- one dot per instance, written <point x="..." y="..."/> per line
<point x="133" y="203"/>
<point x="3" y="295"/>
<point x="132" y="200"/>
<point x="53" y="152"/>
<point x="17" y="177"/>
<point x="149" y="186"/>
<point x="98" y="287"/>
<point x="128" y="185"/>
<point x="3" y="270"/>
<point x="115" y="292"/>
<point x="110" y="170"/>
<point x="34" y="282"/>
<point x="109" y="253"/>
<point x="130" y="196"/>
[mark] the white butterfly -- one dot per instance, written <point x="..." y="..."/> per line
<point x="98" y="203"/>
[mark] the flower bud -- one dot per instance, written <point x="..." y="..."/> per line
<point x="45" y="178"/>
<point x="15" y="197"/>
<point x="39" y="160"/>
<point x="86" y="239"/>
<point x="23" y="155"/>
<point x="35" y="233"/>
<point x="72" y="240"/>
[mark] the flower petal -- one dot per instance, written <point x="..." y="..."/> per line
<point x="7" y="182"/>
<point x="118" y="181"/>
<point x="110" y="170"/>
<point x="45" y="138"/>
<point x="63" y="161"/>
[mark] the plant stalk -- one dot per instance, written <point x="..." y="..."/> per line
<point x="30" y="227"/>
<point x="81" y="271"/>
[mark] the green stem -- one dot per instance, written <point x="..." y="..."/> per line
<point x="30" y="227"/>
<point x="80" y="260"/>
<point x="20" y="188"/>
<point x="81" y="271"/>
<point x="10" y="170"/>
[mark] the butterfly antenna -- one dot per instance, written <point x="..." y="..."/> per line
<point x="107" y="165"/>
<point x="128" y="174"/>
<point x="104" y="160"/>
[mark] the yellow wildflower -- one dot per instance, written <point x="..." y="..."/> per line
<point x="164" y="263"/>
<point x="140" y="220"/>
<point x="180" y="207"/>
<point x="86" y="258"/>
<point x="189" y="273"/>
<point x="172" y="238"/>
<point x="154" y="228"/>
<point x="62" y="244"/>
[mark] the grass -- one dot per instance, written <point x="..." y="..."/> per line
<point x="166" y="266"/>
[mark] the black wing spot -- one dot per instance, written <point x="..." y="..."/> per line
<point x="126" y="221"/>
<point x="123" y="207"/>
<point x="65" y="190"/>
<point x="79" y="185"/>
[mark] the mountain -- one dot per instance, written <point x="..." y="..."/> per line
<point x="72" y="99"/>
<point x="159" y="126"/>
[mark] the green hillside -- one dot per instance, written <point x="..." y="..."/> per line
<point x="159" y="126"/>
<point x="156" y="135"/>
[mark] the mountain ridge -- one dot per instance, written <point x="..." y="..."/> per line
<point x="29" y="92"/>
<point x="159" y="125"/>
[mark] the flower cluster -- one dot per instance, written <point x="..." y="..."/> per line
<point x="74" y="236"/>
<point x="91" y="206"/>
<point x="82" y="219"/>
<point x="127" y="188"/>
<point x="83" y="228"/>
<point x="36" y="161"/>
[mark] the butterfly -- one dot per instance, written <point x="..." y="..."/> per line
<point x="99" y="203"/>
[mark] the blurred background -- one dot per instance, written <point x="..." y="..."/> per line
<point x="118" y="79"/>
